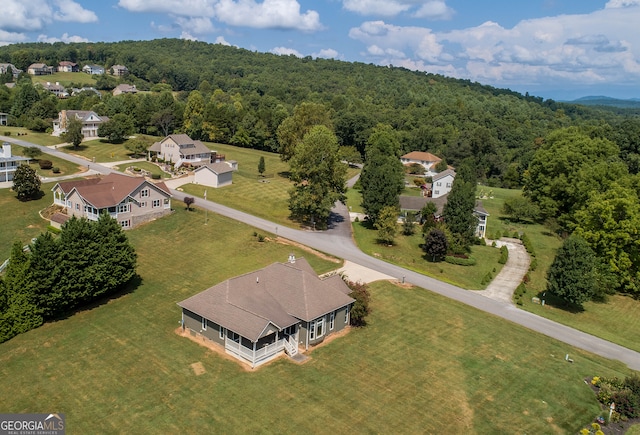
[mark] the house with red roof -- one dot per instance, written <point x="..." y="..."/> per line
<point x="132" y="201"/>
<point x="281" y="309"/>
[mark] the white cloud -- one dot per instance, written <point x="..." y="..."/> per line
<point x="7" y="38"/>
<point x="220" y="40"/>
<point x="24" y="15"/>
<point x="326" y="53"/>
<point x="64" y="38"/>
<point x="267" y="14"/>
<point x="284" y="51"/>
<point x="435" y="10"/>
<point x="71" y="11"/>
<point x="195" y="25"/>
<point x="188" y="36"/>
<point x="431" y="9"/>
<point x="189" y="8"/>
<point x="600" y="47"/>
<point x="273" y="14"/>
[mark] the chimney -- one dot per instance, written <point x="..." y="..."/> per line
<point x="257" y="279"/>
<point x="6" y="150"/>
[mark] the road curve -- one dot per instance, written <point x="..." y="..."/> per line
<point x="338" y="241"/>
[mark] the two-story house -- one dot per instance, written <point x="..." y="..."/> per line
<point x="130" y="200"/>
<point x="181" y="150"/>
<point x="68" y="66"/>
<point x="119" y="70"/>
<point x="442" y="183"/>
<point x="9" y="163"/>
<point x="39" y="69"/>
<point x="93" y="69"/>
<point x="57" y="89"/>
<point x="91" y="121"/>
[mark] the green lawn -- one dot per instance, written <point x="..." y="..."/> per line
<point x="99" y="150"/>
<point x="65" y="167"/>
<point x="147" y="166"/>
<point x="121" y="368"/>
<point x="66" y="78"/>
<point x="618" y="320"/>
<point x="21" y="133"/>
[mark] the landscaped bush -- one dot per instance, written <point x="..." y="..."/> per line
<point x="487" y="278"/>
<point x="360" y="309"/>
<point x="527" y="244"/>
<point x="624" y="393"/>
<point x="460" y="261"/>
<point x="534" y="265"/>
<point x="45" y="164"/>
<point x="155" y="176"/>
<point x="504" y="255"/>
<point x="55" y="170"/>
<point x="7" y="133"/>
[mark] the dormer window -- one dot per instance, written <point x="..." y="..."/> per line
<point x="144" y="193"/>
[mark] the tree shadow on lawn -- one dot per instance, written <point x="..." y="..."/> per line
<point x="556" y="302"/>
<point x="131" y="286"/>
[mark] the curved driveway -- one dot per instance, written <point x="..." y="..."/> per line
<point x="337" y="241"/>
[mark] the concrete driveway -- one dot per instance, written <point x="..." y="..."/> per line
<point x="503" y="285"/>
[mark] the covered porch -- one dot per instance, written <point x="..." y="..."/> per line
<point x="265" y="349"/>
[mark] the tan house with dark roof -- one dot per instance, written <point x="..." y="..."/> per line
<point x="278" y="309"/>
<point x="39" y="69"/>
<point x="180" y="150"/>
<point x="130" y="200"/>
<point x="68" y="66"/>
<point x="426" y="160"/>
<point x="119" y="70"/>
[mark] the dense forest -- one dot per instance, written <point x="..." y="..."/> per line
<point x="231" y="95"/>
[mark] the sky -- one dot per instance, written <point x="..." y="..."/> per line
<point x="559" y="49"/>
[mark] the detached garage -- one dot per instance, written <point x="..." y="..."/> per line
<point x="214" y="174"/>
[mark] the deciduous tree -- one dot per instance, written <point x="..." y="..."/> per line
<point x="73" y="135"/>
<point x="436" y="244"/>
<point x="292" y="130"/>
<point x="387" y="225"/>
<point x="26" y="183"/>
<point x="318" y="176"/>
<point x="573" y="274"/>
<point x="382" y="177"/>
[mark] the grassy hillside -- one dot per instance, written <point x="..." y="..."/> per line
<point x="120" y="367"/>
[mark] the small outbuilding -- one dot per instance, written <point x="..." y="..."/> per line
<point x="214" y="174"/>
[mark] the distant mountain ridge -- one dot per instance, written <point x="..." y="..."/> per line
<point x="601" y="100"/>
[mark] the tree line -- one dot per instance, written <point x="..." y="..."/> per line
<point x="55" y="275"/>
<point x="230" y="95"/>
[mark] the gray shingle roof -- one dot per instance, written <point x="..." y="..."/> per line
<point x="281" y="294"/>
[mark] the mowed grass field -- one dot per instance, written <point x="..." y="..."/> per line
<point x="424" y="364"/>
<point x="44" y="139"/>
<point x="617" y="320"/>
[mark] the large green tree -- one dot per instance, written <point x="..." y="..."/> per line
<point x="567" y="167"/>
<point x="436" y="244"/>
<point x="458" y="213"/>
<point x="610" y="223"/>
<point x="117" y="129"/>
<point x="319" y="177"/>
<point x="387" y="225"/>
<point x="26" y="183"/>
<point x="292" y="130"/>
<point x="382" y="176"/>
<point x="73" y="135"/>
<point x="573" y="275"/>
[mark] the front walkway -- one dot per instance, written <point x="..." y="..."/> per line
<point x="512" y="273"/>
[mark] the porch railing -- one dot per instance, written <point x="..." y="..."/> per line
<point x="259" y="354"/>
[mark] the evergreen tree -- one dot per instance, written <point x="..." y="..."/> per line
<point x="382" y="176"/>
<point x="436" y="244"/>
<point x="261" y="166"/>
<point x="26" y="183"/>
<point x="573" y="274"/>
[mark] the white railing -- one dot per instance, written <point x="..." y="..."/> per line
<point x="259" y="354"/>
<point x="291" y="346"/>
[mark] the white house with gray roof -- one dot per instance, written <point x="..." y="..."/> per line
<point x="181" y="150"/>
<point x="260" y="315"/>
<point x="9" y="163"/>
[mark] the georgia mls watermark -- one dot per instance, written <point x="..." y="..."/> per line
<point x="32" y="424"/>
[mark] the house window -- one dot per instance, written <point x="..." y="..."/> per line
<point x="125" y="224"/>
<point x="320" y="327"/>
<point x="144" y="193"/>
<point x="143" y="204"/>
<point x="77" y="206"/>
<point x="312" y="330"/>
<point x="438" y="184"/>
<point x="233" y="336"/>
<point x="332" y="320"/>
<point x="448" y="184"/>
<point x="346" y="315"/>
<point x="123" y="208"/>
<point x="437" y="192"/>
<point x="69" y="204"/>
<point x="204" y="324"/>
<point x="221" y="333"/>
<point x="156" y="203"/>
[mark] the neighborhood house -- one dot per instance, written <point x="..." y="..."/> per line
<point x="67" y="66"/>
<point x="130" y="200"/>
<point x="9" y="163"/>
<point x="260" y="315"/>
<point x="93" y="69"/>
<point x="181" y="150"/>
<point x="90" y="122"/>
<point x="39" y="69"/>
<point x="427" y="160"/>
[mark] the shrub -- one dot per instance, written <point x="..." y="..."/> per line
<point x="527" y="244"/>
<point x="45" y="164"/>
<point x="360" y="309"/>
<point x="155" y="176"/>
<point x="460" y="261"/>
<point x="487" y="278"/>
<point x="7" y="133"/>
<point x="504" y="255"/>
<point x="55" y="170"/>
<point x="53" y="230"/>
<point x="260" y="238"/>
<point x="534" y="264"/>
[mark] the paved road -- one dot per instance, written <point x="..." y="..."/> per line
<point x="337" y="241"/>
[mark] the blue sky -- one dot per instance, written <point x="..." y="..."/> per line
<point x="561" y="49"/>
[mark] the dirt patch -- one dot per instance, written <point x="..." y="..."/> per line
<point x="322" y="255"/>
<point x="50" y="211"/>
<point x="198" y="368"/>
